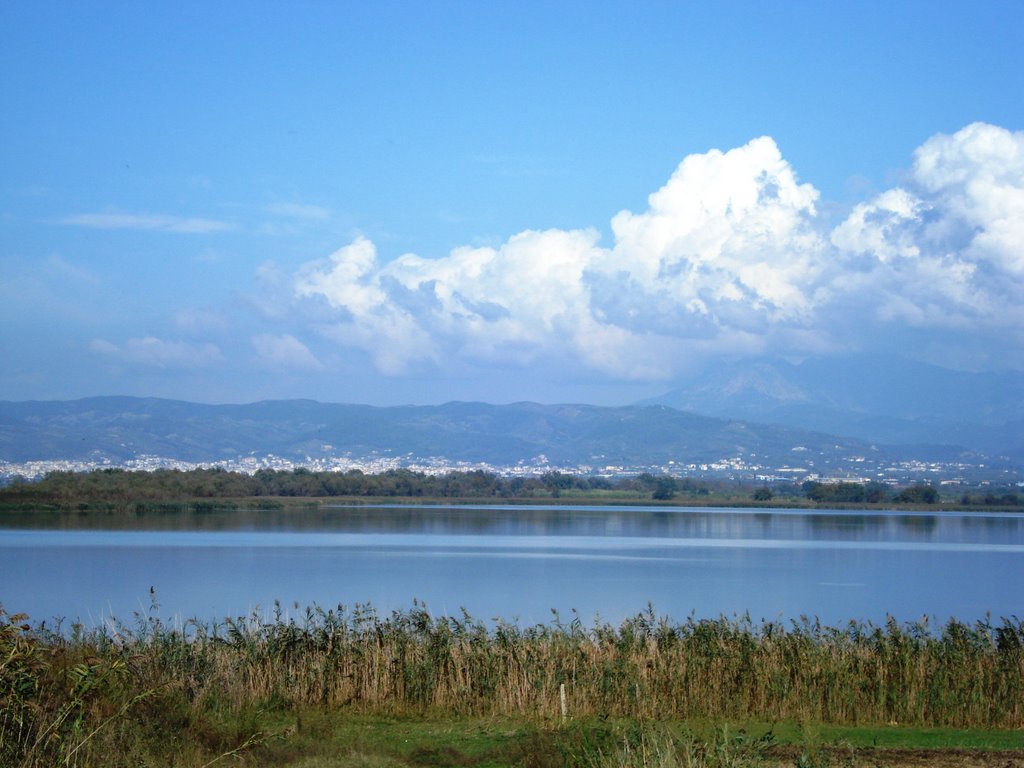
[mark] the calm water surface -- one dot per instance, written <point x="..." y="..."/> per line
<point x="519" y="562"/>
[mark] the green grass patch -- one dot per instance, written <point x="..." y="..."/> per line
<point x="339" y="739"/>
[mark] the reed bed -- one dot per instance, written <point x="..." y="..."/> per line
<point x="70" y="690"/>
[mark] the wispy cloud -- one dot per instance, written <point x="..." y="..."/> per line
<point x="144" y="221"/>
<point x="152" y="352"/>
<point x="515" y="166"/>
<point x="59" y="266"/>
<point x="298" y="211"/>
<point x="200" y="321"/>
<point x="284" y="352"/>
<point x="730" y="257"/>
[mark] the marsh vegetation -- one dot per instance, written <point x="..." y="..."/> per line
<point x="150" y="693"/>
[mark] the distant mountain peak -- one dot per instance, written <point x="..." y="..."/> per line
<point x="764" y="380"/>
<point x="870" y="397"/>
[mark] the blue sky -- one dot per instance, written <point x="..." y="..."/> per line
<point x="419" y="202"/>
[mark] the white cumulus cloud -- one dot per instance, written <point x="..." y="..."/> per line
<point x="730" y="257"/>
<point x="946" y="250"/>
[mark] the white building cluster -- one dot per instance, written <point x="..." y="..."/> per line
<point x="741" y="468"/>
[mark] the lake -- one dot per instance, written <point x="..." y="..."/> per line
<point x="518" y="562"/>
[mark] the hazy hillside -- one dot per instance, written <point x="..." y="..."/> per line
<point x="119" y="428"/>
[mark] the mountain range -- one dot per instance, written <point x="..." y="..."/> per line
<point x="120" y="428"/>
<point x="762" y="411"/>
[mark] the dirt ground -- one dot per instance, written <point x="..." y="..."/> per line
<point x="872" y="757"/>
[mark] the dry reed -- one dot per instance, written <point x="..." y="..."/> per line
<point x="60" y="686"/>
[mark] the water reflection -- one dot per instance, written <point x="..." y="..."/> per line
<point x="642" y="522"/>
<point x="519" y="561"/>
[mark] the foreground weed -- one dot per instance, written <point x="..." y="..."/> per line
<point x="657" y="746"/>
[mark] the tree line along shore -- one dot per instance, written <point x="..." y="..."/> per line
<point x="122" y="488"/>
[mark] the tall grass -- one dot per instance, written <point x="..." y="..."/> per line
<point x="65" y="694"/>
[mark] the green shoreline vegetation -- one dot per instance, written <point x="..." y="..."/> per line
<point x="331" y="687"/>
<point x="210" y="489"/>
